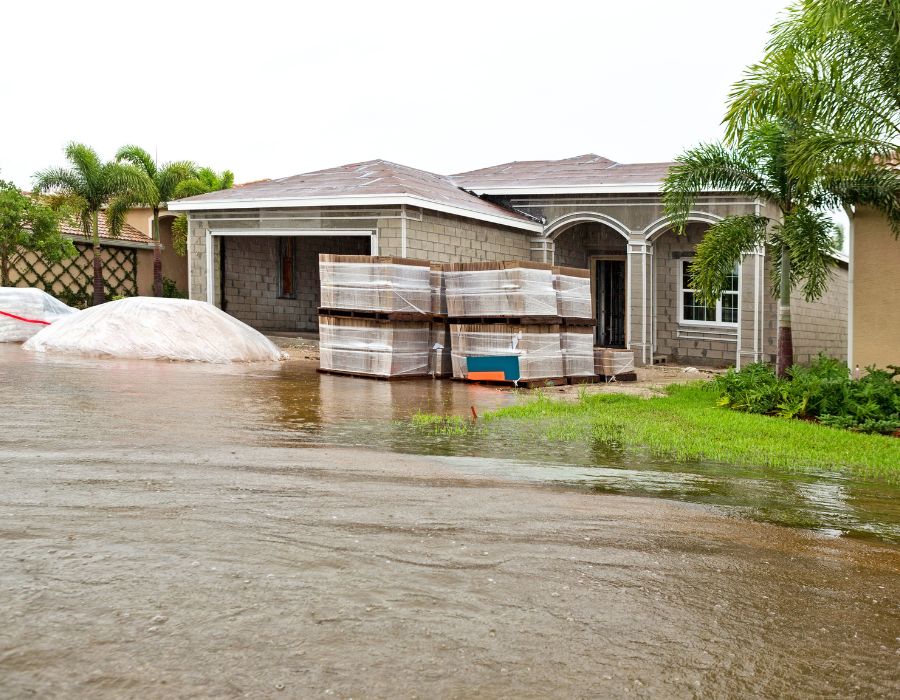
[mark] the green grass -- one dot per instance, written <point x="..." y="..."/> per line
<point x="444" y="425"/>
<point x="686" y="425"/>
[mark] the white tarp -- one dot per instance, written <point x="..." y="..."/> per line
<point x="25" y="311"/>
<point x="159" y="329"/>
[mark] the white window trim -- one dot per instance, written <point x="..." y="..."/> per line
<point x="706" y="324"/>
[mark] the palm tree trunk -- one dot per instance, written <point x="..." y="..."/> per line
<point x="785" y="337"/>
<point x="157" y="257"/>
<point x="99" y="293"/>
<point x="4" y="270"/>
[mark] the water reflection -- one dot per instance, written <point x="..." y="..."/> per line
<point x="70" y="401"/>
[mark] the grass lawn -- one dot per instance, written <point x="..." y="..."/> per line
<point x="686" y="425"/>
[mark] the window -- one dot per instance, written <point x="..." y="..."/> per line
<point x="724" y="311"/>
<point x="286" y="260"/>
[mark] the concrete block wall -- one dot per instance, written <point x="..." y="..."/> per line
<point x="821" y="326"/>
<point x="445" y="238"/>
<point x="252" y="279"/>
<point x="576" y="245"/>
<point x="695" y="344"/>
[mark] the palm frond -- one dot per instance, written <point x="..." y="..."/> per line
<point x="705" y="168"/>
<point x="810" y="237"/>
<point x="168" y="177"/>
<point x="722" y="247"/>
<point x="139" y="157"/>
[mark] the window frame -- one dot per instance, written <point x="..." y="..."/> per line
<point x="292" y="242"/>
<point x="718" y="320"/>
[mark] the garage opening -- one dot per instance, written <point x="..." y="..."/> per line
<point x="271" y="282"/>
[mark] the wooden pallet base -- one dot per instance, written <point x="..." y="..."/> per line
<point x="358" y="375"/>
<point x="625" y="377"/>
<point x="522" y="383"/>
<point x="579" y="322"/>
<point x="506" y="320"/>
<point x="592" y="379"/>
<point x="376" y="315"/>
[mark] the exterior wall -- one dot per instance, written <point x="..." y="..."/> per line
<point x="696" y="344"/>
<point x="252" y="280"/>
<point x="174" y="266"/>
<point x="446" y="238"/>
<point x="821" y="326"/>
<point x="575" y="246"/>
<point x="876" y="291"/>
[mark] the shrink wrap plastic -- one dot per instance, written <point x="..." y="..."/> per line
<point x="375" y="286"/>
<point x="25" y="311"/>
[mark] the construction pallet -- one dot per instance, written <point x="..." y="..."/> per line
<point x="590" y="379"/>
<point x="521" y="384"/>
<point x="360" y="375"/>
<point x="578" y="322"/>
<point x="508" y="320"/>
<point x="376" y="315"/>
<point x="624" y="377"/>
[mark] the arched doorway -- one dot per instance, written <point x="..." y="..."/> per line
<point x="600" y="246"/>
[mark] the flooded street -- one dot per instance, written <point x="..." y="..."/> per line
<point x="172" y="530"/>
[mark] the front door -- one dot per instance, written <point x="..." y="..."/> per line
<point x="610" y="300"/>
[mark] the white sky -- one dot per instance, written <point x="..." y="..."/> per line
<point x="270" y="89"/>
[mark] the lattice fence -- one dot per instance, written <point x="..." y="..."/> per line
<point x="71" y="280"/>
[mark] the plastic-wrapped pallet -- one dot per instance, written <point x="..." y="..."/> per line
<point x="148" y="328"/>
<point x="377" y="284"/>
<point x="371" y="347"/>
<point x="25" y="311"/>
<point x="536" y="346"/>
<point x="500" y="289"/>
<point x="438" y="290"/>
<point x="573" y="292"/>
<point x="612" y="362"/>
<point x="441" y="363"/>
<point x="578" y="351"/>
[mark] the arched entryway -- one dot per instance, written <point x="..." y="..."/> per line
<point x="599" y="245"/>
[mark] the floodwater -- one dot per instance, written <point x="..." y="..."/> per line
<point x="161" y="535"/>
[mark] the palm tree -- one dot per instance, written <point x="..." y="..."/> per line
<point x="205" y="180"/>
<point x="86" y="187"/>
<point x="801" y="241"/>
<point x="832" y="65"/>
<point x="164" y="181"/>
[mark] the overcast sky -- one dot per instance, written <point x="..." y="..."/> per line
<point x="271" y="89"/>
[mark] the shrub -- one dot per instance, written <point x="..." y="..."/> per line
<point x="824" y="391"/>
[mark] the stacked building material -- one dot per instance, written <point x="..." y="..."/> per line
<point x="375" y="318"/>
<point x="573" y="293"/>
<point x="577" y="344"/>
<point x="614" y="364"/>
<point x="506" y="352"/>
<point x="500" y="291"/>
<point x="365" y="283"/>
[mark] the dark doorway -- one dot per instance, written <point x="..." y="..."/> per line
<point x="610" y="280"/>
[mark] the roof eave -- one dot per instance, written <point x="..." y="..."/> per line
<point x="354" y="200"/>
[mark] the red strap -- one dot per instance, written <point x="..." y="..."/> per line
<point x="26" y="320"/>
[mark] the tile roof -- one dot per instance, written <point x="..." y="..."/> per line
<point x="589" y="170"/>
<point x="129" y="233"/>
<point x="371" y="180"/>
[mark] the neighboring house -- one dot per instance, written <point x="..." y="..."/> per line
<point x="253" y="250"/>
<point x="127" y="266"/>
<point x="874" y="292"/>
<point x="174" y="266"/>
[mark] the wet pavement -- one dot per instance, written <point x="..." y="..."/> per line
<point x="161" y="535"/>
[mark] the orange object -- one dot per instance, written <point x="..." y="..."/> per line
<point x="492" y="376"/>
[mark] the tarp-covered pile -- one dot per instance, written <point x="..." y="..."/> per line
<point x="25" y="311"/>
<point x="151" y="328"/>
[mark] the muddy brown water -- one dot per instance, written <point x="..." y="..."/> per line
<point x="161" y="535"/>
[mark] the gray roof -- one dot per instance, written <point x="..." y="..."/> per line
<point x="370" y="183"/>
<point x="589" y="171"/>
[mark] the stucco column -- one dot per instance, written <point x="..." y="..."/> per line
<point x="638" y="299"/>
<point x="750" y="307"/>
